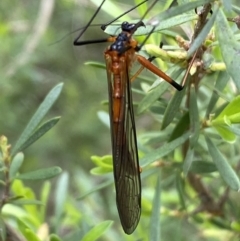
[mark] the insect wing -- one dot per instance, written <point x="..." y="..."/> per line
<point x="124" y="147"/>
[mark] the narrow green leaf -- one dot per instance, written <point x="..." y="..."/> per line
<point x="26" y="202"/>
<point x="45" y="127"/>
<point x="233" y="119"/>
<point x="183" y="8"/>
<point x="175" y="21"/>
<point x="220" y="84"/>
<point x="227" y="5"/>
<point x="164" y="150"/>
<point x="38" y="116"/>
<point x="54" y="237"/>
<point x="97" y="188"/>
<point x="97" y="231"/>
<point x="221" y="223"/>
<point x="104" y="161"/>
<point x="231" y="109"/>
<point x="96" y="64"/>
<point x="194" y="117"/>
<point x="104" y="118"/>
<point x="22" y="225"/>
<point x="225" y="133"/>
<point x="203" y="167"/>
<point x="180" y="127"/>
<point x="179" y="185"/>
<point x="28" y="234"/>
<point x="172" y="108"/>
<point x="152" y="97"/>
<point x="188" y="161"/>
<point x="236" y="9"/>
<point x="60" y="197"/>
<point x="225" y="170"/>
<point x="45" y="173"/>
<point x="44" y="195"/>
<point x="203" y="34"/>
<point x="234" y="130"/>
<point x="229" y="46"/>
<point x="3" y="233"/>
<point x="155" y="227"/>
<point x="31" y="235"/>
<point x="16" y="164"/>
<point x="230" y="114"/>
<point x="101" y="170"/>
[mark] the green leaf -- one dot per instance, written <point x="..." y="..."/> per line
<point x="220" y="84"/>
<point x="172" y="108"/>
<point x="183" y="8"/>
<point x="16" y="164"/>
<point x="194" y="117"/>
<point x="225" y="133"/>
<point x="97" y="231"/>
<point x="45" y="173"/>
<point x="231" y="109"/>
<point x="26" y="231"/>
<point x="155" y="232"/>
<point x="227" y="5"/>
<point x="175" y="21"/>
<point x="152" y="96"/>
<point x="54" y="237"/>
<point x="233" y="119"/>
<point x="234" y="130"/>
<point x="26" y="202"/>
<point x="60" y="197"/>
<point x="104" y="164"/>
<point x="96" y="64"/>
<point x="101" y="170"/>
<point x="44" y="195"/>
<point x="229" y="46"/>
<point x="180" y="127"/>
<point x="38" y="116"/>
<point x="31" y="235"/>
<point x="97" y="188"/>
<point x="188" y="161"/>
<point x="104" y="118"/>
<point x="45" y="127"/>
<point x="3" y="233"/>
<point x="164" y="150"/>
<point x="202" y="167"/>
<point x="179" y="185"/>
<point x="225" y="170"/>
<point x="32" y="210"/>
<point x="229" y="115"/>
<point x="203" y="34"/>
<point x="236" y="9"/>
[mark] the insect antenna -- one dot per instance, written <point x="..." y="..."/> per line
<point x="103" y="27"/>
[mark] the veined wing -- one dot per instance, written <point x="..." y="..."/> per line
<point x="124" y="146"/>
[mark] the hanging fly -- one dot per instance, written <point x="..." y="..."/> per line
<point x="119" y="57"/>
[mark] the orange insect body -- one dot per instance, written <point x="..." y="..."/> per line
<point x="119" y="58"/>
